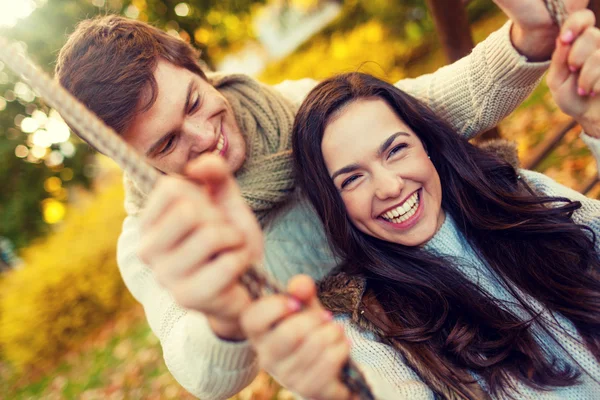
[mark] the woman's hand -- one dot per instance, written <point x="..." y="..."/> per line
<point x="574" y="76"/>
<point x="298" y="343"/>
<point x="533" y="32"/>
<point x="198" y="236"/>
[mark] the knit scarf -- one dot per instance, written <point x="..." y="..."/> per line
<point x="265" y="119"/>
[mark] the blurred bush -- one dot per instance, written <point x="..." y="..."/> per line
<point x="68" y="286"/>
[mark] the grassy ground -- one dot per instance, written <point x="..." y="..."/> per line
<point x="122" y="361"/>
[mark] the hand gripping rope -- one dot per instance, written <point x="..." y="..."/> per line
<point x="107" y="141"/>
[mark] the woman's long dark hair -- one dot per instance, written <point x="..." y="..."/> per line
<point x="451" y="326"/>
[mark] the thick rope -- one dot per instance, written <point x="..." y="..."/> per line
<point x="557" y="10"/>
<point x="105" y="139"/>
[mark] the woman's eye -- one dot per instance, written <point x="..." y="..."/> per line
<point x="396" y="149"/>
<point x="349" y="181"/>
<point x="168" y="145"/>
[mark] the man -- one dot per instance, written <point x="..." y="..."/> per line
<point x="149" y="88"/>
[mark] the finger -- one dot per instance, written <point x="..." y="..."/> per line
<point x="212" y="172"/>
<point x="166" y="192"/>
<point x="324" y="336"/>
<point x="325" y="375"/>
<point x="176" y="222"/>
<point x="575" y="24"/>
<point x="583" y="48"/>
<point x="596" y="89"/>
<point x="315" y="350"/>
<point x="558" y="72"/>
<point x="589" y="75"/>
<point x="263" y="314"/>
<point x="303" y="288"/>
<point x="199" y="247"/>
<point x="230" y="303"/>
<point x="285" y="338"/>
<point x="201" y="288"/>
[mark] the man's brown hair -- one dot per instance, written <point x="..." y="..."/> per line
<point x="108" y="63"/>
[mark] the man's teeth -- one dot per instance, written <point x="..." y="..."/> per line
<point x="219" y="145"/>
<point x="403" y="212"/>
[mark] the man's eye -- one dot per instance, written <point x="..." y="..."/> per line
<point x="168" y="145"/>
<point x="349" y="180"/>
<point x="396" y="149"/>
<point x="195" y="105"/>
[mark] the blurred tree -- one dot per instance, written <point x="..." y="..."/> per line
<point x="35" y="173"/>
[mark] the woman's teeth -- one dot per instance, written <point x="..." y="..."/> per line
<point x="403" y="212"/>
<point x="219" y="145"/>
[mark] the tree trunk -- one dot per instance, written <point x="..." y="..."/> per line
<point x="595" y="7"/>
<point x="453" y="29"/>
<point x="452" y="25"/>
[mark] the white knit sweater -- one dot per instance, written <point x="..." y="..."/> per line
<point x="385" y="364"/>
<point x="473" y="94"/>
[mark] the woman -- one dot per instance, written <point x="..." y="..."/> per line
<point x="483" y="277"/>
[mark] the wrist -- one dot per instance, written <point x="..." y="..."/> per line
<point x="591" y="128"/>
<point x="226" y="329"/>
<point x="535" y="44"/>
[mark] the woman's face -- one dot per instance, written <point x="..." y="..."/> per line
<point x="389" y="185"/>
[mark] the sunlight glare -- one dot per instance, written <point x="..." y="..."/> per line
<point x="11" y="11"/>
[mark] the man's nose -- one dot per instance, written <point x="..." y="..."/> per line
<point x="388" y="185"/>
<point x="200" y="136"/>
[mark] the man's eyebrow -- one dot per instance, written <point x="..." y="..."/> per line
<point x="388" y="142"/>
<point x="166" y="136"/>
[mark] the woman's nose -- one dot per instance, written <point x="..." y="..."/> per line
<point x="388" y="185"/>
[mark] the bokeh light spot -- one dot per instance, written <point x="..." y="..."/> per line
<point x="52" y="184"/>
<point x="11" y="11"/>
<point x="68" y="149"/>
<point x="132" y="11"/>
<point x="54" y="211"/>
<point x="39" y="151"/>
<point x="182" y="9"/>
<point x="29" y="125"/>
<point x="21" y="151"/>
<point x="66" y="174"/>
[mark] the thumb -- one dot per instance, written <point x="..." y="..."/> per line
<point x="303" y="288"/>
<point x="559" y="68"/>
<point x="212" y="171"/>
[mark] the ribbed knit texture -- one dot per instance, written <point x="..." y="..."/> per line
<point x="265" y="117"/>
<point x="472" y="94"/>
<point x="386" y="365"/>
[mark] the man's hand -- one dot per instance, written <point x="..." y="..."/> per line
<point x="297" y="342"/>
<point x="574" y="76"/>
<point x="533" y="33"/>
<point x="199" y="236"/>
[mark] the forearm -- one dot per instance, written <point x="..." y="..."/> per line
<point x="203" y="364"/>
<point x="476" y="92"/>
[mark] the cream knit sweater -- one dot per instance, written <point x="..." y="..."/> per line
<point x="473" y="94"/>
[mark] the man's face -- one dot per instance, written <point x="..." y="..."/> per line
<point x="188" y="118"/>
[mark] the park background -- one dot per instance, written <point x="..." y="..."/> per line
<point x="68" y="327"/>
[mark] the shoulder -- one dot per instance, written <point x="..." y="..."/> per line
<point x="295" y="90"/>
<point x="544" y="185"/>
<point x="295" y="243"/>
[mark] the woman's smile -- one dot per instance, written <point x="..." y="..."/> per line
<point x="404" y="215"/>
